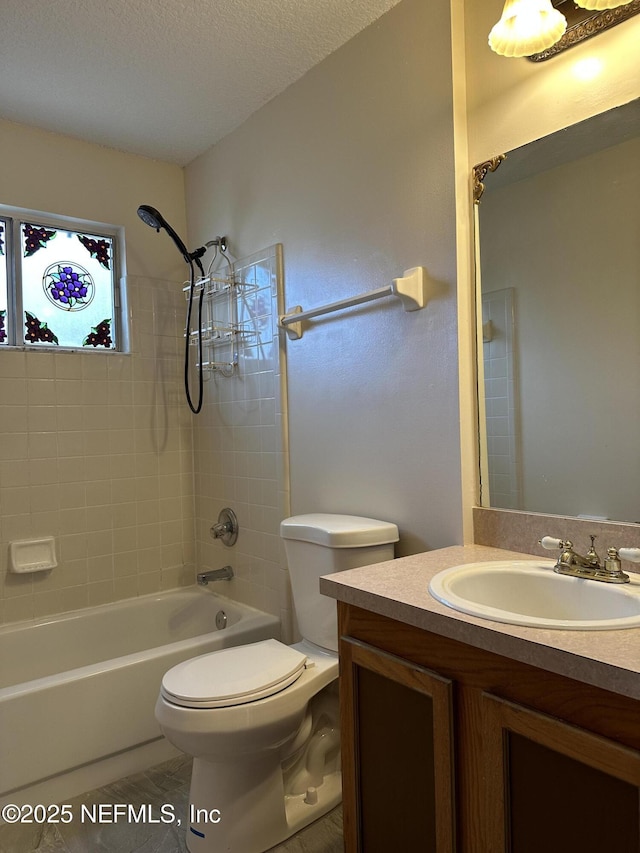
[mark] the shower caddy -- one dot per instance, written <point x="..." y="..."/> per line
<point x="221" y="331"/>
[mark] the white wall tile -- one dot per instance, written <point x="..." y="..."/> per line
<point x="93" y="443"/>
<point x="239" y="445"/>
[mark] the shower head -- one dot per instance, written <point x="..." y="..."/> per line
<point x="151" y="216"/>
<point x="155" y="219"/>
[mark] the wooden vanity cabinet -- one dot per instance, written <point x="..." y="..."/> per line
<point x="447" y="747"/>
<point x="394" y="709"/>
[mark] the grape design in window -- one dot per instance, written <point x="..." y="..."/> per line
<point x="67" y="287"/>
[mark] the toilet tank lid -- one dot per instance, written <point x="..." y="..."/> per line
<point x="338" y="531"/>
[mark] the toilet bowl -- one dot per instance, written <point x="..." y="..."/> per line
<point x="262" y="720"/>
<point x="252" y="754"/>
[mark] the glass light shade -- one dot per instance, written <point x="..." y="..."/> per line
<point x="527" y="27"/>
<point x="600" y="5"/>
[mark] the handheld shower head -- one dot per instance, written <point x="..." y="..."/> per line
<point x="152" y="217"/>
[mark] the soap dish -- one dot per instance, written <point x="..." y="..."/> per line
<point x="32" y="555"/>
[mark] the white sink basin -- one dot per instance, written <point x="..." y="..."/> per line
<point x="529" y="592"/>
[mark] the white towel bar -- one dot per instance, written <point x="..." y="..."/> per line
<point x="411" y="289"/>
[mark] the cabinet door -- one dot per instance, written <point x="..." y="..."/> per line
<point x="556" y="788"/>
<point x="397" y="754"/>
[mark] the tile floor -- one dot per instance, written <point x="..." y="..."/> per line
<point x="166" y="783"/>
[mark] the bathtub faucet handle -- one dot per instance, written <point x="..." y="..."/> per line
<point x="226" y="530"/>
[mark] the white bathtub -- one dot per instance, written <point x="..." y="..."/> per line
<point x="77" y="692"/>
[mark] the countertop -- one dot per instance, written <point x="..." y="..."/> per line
<point x="399" y="589"/>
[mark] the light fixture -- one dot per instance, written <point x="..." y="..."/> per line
<point x="599" y="5"/>
<point x="527" y="26"/>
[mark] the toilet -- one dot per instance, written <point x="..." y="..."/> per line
<point x="262" y="720"/>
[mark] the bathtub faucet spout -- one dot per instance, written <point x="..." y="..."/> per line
<point x="223" y="574"/>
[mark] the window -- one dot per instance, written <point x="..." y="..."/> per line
<point x="58" y="282"/>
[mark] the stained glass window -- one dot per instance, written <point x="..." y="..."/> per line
<point x="3" y="283"/>
<point x="65" y="286"/>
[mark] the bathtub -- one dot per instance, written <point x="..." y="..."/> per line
<point x="78" y="691"/>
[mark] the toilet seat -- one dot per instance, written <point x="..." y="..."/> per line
<point x="233" y="676"/>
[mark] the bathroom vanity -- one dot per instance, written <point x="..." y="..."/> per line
<point x="463" y="734"/>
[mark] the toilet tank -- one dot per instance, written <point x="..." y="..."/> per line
<point x="320" y="544"/>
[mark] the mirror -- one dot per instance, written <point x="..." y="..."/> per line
<point x="559" y="360"/>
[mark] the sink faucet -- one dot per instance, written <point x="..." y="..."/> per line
<point x="589" y="567"/>
<point x="223" y="574"/>
<point x="569" y="558"/>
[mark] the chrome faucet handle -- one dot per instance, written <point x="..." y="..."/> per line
<point x="226" y="530"/>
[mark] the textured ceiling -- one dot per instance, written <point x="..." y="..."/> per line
<point x="162" y="78"/>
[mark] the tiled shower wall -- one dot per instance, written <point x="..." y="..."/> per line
<point x="96" y="450"/>
<point x="501" y="400"/>
<point x="240" y="441"/>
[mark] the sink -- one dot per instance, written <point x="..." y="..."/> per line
<point x="529" y="592"/>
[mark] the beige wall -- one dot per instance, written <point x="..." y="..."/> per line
<point x="512" y="101"/>
<point x="351" y="169"/>
<point x="95" y="448"/>
<point x="58" y="174"/>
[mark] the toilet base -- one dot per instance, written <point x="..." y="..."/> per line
<point x="228" y="813"/>
<point x="263" y="770"/>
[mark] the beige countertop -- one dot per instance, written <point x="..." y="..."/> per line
<point x="399" y="589"/>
